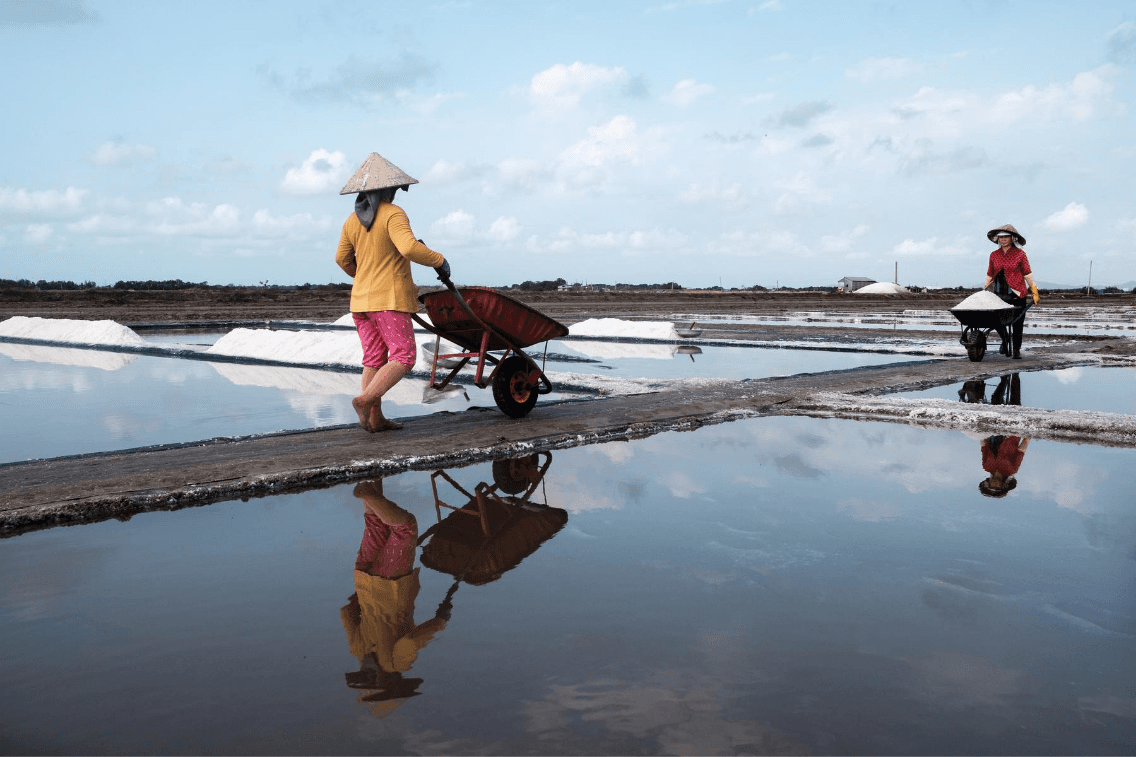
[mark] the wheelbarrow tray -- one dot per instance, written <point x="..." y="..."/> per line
<point x="511" y="320"/>
<point x="988" y="319"/>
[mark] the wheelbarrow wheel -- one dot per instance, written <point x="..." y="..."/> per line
<point x="975" y="346"/>
<point x="511" y="389"/>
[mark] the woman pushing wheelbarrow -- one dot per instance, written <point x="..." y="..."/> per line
<point x="376" y="249"/>
<point x="1009" y="271"/>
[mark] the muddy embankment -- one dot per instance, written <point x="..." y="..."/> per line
<point x="39" y="494"/>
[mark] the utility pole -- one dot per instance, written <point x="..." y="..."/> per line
<point x="897" y="273"/>
<point x="1089" y="288"/>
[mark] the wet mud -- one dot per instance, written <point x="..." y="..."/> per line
<point x="44" y="493"/>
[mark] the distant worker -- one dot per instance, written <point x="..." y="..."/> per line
<point x="1001" y="458"/>
<point x="1009" y="271"/>
<point x="375" y="249"/>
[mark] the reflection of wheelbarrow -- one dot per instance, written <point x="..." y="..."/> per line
<point x="480" y="321"/>
<point x="977" y="324"/>
<point x="498" y="527"/>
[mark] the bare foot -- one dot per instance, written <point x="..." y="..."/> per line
<point x="363" y="412"/>
<point x="379" y="422"/>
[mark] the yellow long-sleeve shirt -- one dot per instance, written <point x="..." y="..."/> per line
<point x="379" y="261"/>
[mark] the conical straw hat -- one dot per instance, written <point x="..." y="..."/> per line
<point x="992" y="235"/>
<point x="376" y="173"/>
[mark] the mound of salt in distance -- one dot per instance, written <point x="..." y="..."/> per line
<point x="629" y="329"/>
<point x="983" y="300"/>
<point x="883" y="287"/>
<point x="70" y="330"/>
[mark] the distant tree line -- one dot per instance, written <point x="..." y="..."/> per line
<point x="168" y="284"/>
<point x="539" y="286"/>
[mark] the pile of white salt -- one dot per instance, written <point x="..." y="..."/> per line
<point x="983" y="300"/>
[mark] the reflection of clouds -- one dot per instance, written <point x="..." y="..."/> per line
<point x="859" y="508"/>
<point x="681" y="484"/>
<point x="126" y="425"/>
<point x="1071" y="485"/>
<point x="965" y="678"/>
<point x="757" y="482"/>
<point x="680" y="719"/>
<point x="1068" y="375"/>
<point x="617" y="452"/>
<point x="1110" y="704"/>
<point x="794" y="466"/>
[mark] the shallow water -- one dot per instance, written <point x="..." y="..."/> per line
<point x="658" y="361"/>
<point x="1043" y="320"/>
<point x="1109" y="390"/>
<point x="72" y="401"/>
<point x="778" y="585"/>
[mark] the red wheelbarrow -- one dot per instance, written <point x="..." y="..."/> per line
<point x="482" y="321"/>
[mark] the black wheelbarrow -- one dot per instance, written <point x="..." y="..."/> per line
<point x="977" y="324"/>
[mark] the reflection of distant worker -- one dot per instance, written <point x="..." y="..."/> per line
<point x="376" y="249"/>
<point x="379" y="617"/>
<point x="1010" y="271"/>
<point x="1001" y="458"/>
<point x="1008" y="391"/>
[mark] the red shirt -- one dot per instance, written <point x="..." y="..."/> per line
<point x="1007" y="460"/>
<point x="1014" y="262"/>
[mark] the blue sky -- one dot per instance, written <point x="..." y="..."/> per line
<point x="738" y="142"/>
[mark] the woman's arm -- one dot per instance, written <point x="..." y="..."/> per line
<point x="345" y="254"/>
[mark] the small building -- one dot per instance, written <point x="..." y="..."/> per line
<point x="852" y="283"/>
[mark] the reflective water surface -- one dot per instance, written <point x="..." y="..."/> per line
<point x="72" y="401"/>
<point x="630" y="360"/>
<point x="778" y="585"/>
<point x="1109" y="390"/>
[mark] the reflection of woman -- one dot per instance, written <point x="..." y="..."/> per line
<point x="1010" y="261"/>
<point x="379" y="616"/>
<point x="1001" y="458"/>
<point x="376" y="249"/>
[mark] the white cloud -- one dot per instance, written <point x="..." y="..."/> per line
<point x="882" y="69"/>
<point x="175" y="218"/>
<point x="265" y="224"/>
<point x="729" y="196"/>
<point x="459" y="228"/>
<point x="681" y="484"/>
<point x="686" y="92"/>
<point x="616" y="141"/>
<point x="933" y="247"/>
<point x="38" y="233"/>
<point x="845" y="241"/>
<point x="41" y="201"/>
<point x="568" y="240"/>
<point x="119" y="154"/>
<point x="800" y="193"/>
<point x="562" y="86"/>
<point x="1078" y="100"/>
<point x="323" y="171"/>
<point x="1072" y="216"/>
<point x="445" y="172"/>
<point x="524" y="173"/>
<point x="768" y="6"/>
<point x="503" y="230"/>
<point x="454" y="227"/>
<point x="102" y="224"/>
